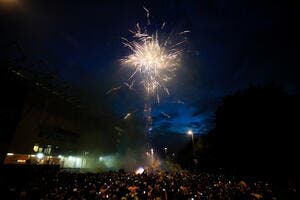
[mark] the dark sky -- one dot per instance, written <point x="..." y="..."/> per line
<point x="232" y="44"/>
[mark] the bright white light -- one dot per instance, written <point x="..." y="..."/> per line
<point x="71" y="158"/>
<point x="9" y="154"/>
<point x="100" y="158"/>
<point x="78" y="162"/>
<point x="60" y="156"/>
<point x="139" y="170"/>
<point x="190" y="132"/>
<point x="109" y="161"/>
<point x="40" y="155"/>
<point x="72" y="161"/>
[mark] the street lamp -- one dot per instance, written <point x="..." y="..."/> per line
<point x="190" y="132"/>
<point x="166" y="151"/>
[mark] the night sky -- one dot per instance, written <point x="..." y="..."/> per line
<point x="232" y="45"/>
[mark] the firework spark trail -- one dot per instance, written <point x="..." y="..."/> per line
<point x="163" y="25"/>
<point x="113" y="89"/>
<point x="148" y="15"/>
<point x="129" y="114"/>
<point x="184" y="32"/>
<point x="147" y="112"/>
<point x="178" y="101"/>
<point x="157" y="98"/>
<point x="130" y="86"/>
<point x="165" y="114"/>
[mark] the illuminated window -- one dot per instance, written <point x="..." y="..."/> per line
<point x="35" y="148"/>
<point x="47" y="149"/>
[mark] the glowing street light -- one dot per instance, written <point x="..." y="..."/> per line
<point x="190" y="132"/>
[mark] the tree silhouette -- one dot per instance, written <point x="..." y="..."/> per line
<point x="256" y="131"/>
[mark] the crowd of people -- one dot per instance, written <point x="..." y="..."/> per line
<point x="148" y="186"/>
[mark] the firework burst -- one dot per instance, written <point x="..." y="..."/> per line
<point x="152" y="58"/>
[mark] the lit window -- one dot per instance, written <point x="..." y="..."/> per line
<point x="35" y="148"/>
